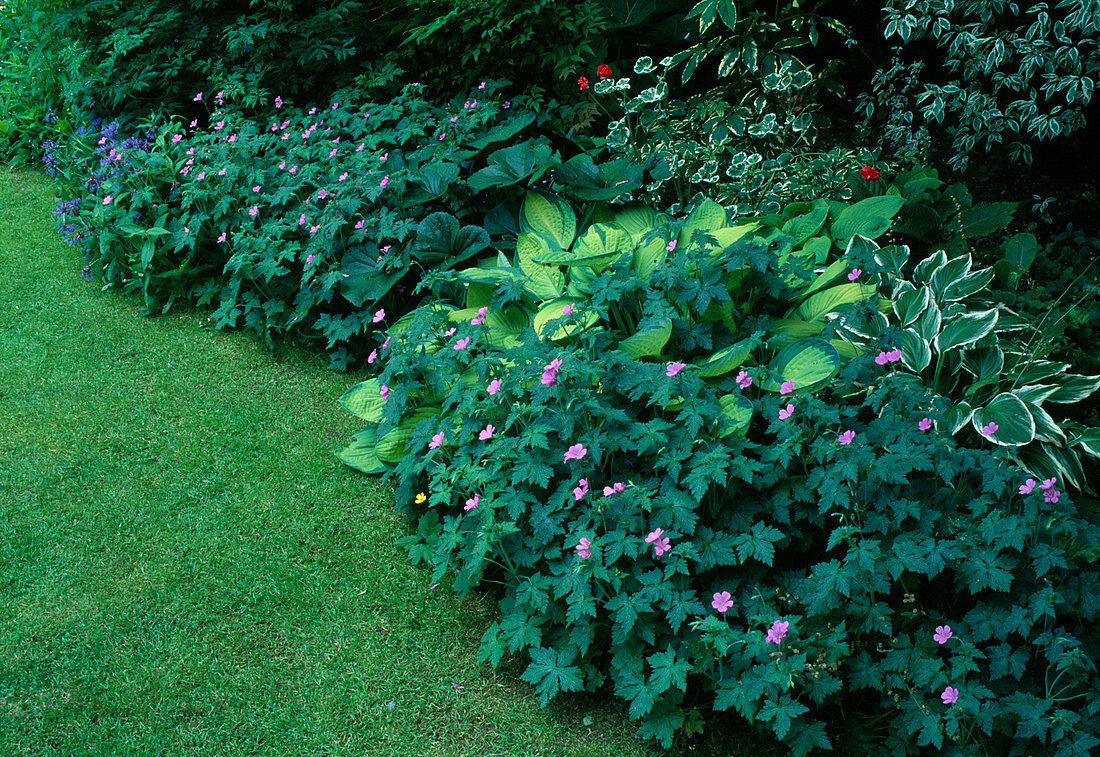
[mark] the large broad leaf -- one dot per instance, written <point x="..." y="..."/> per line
<point x="809" y="363"/>
<point x="648" y="256"/>
<point x="440" y="240"/>
<point x="361" y="454"/>
<point x="735" y="416"/>
<point x="512" y="165"/>
<point x="597" y="247"/>
<point x="1046" y="428"/>
<point x="364" y="280"/>
<point x="624" y="13"/>
<point x="551" y="322"/>
<point x="708" y="216"/>
<point x="433" y="180"/>
<point x="929" y="322"/>
<point x="504" y="131"/>
<point x="543" y="282"/>
<point x="650" y="338"/>
<point x="909" y="305"/>
<point x="818" y="305"/>
<point x="965" y="329"/>
<point x="1051" y="461"/>
<point x="587" y="181"/>
<point x="365" y="400"/>
<point x="819" y="248"/>
<point x="728" y="358"/>
<point x="915" y="352"/>
<point x="958" y="416"/>
<point x="1073" y="387"/>
<point x="985" y="218"/>
<point x="1020" y="252"/>
<point x="504" y="327"/>
<point x="637" y="218"/>
<point x="948" y="273"/>
<point x="869" y="218"/>
<point x="391" y="447"/>
<point x="805" y="226"/>
<point x="549" y="216"/>
<point x="1010" y="418"/>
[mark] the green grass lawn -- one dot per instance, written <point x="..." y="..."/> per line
<point x="185" y="568"/>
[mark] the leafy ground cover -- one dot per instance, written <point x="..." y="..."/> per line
<point x="186" y="569"/>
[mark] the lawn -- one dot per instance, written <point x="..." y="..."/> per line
<point x="185" y="568"/>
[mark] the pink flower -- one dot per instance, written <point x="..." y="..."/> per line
<point x="372" y="357"/>
<point x="194" y="123"/>
<point x="384" y="392"/>
<point x="661" y="546"/>
<point x="1051" y="495"/>
<point x="744" y="380"/>
<point x="302" y="220"/>
<point x="386" y="343"/>
<point x="950" y="695"/>
<point x="202" y="175"/>
<point x="278" y="102"/>
<point x="1048" y="483"/>
<point x="880" y="359"/>
<point x="359" y="224"/>
<point x="107" y="199"/>
<point x="608" y="491"/>
<point x="197" y="98"/>
<point x="333" y="152"/>
<point x="232" y="138"/>
<point x="177" y="138"/>
<point x="619" y="486"/>
<point x="385" y="181"/>
<point x="450" y="331"/>
<point x="722" y="601"/>
<point x="584" y="548"/>
<point x="777" y="632"/>
<point x="550" y="372"/>
<point x="219" y="126"/>
<point x="580" y="490"/>
<point x="653" y="535"/>
<point x="361" y="147"/>
<point x="384" y="156"/>
<point x="486" y="433"/>
<point x="989" y="428"/>
<point x="343" y="176"/>
<point x="494" y="387"/>
<point x="670" y="246"/>
<point x="673" y="369"/>
<point x="942" y="634"/>
<point x="576" y="452"/>
<point x="567" y="310"/>
<point x="256" y="188"/>
<point x="462" y="343"/>
<point x="293" y="170"/>
<point x="253" y="211"/>
<point x="478" y="319"/>
<point x="1028" y="486"/>
<point x="313" y="229"/>
<point x="924" y="424"/>
<point x="846" y="438"/>
<point x="786" y="387"/>
<point x="786" y="412"/>
<point x="379" y="315"/>
<point x="436" y="442"/>
<point x="222" y="237"/>
<point x="481" y="86"/>
<point x="854" y="274"/>
<point x="893" y="356"/>
<point x="221" y="172"/>
<point x="472" y="502"/>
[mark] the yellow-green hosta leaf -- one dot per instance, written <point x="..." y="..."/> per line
<point x="819" y="248"/>
<point x="597" y="247"/>
<point x="648" y="342"/>
<point x="365" y="400"/>
<point x="846" y="350"/>
<point x="1005" y="421"/>
<point x="636" y="218"/>
<point x="649" y="256"/>
<point x="805" y="226"/>
<point x="818" y="305"/>
<point x="391" y="447"/>
<point x="548" y="216"/>
<point x="727" y="358"/>
<point x="552" y="323"/>
<point x="708" y="216"/>
<point x="360" y="454"/>
<point x="808" y="363"/>
<point x="543" y="282"/>
<point x="503" y="327"/>
<point x="869" y="218"/>
<point x="736" y="414"/>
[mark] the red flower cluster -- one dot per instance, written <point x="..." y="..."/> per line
<point x="603" y="71"/>
<point x="870" y="173"/>
<point x="582" y="83"/>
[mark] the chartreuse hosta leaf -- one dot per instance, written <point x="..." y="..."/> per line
<point x="551" y="322"/>
<point x="965" y="329"/>
<point x="648" y="341"/>
<point x="869" y="218"/>
<point x="601" y="244"/>
<point x="650" y="255"/>
<point x="809" y="363"/>
<point x="1005" y="421"/>
<point x="709" y="216"/>
<point x="365" y="400"/>
<point x="636" y="218"/>
<point x="391" y="446"/>
<point x="818" y="305"/>
<point x="819" y="248"/>
<point x="504" y="326"/>
<point x="735" y="416"/>
<point x="543" y="282"/>
<point x="728" y="358"/>
<point x="361" y="454"/>
<point x="805" y="226"/>
<point x="550" y="217"/>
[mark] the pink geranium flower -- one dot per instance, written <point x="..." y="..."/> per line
<point x="777" y="632"/>
<point x="462" y="343"/>
<point x="437" y="441"/>
<point x="673" y="369"/>
<point x="786" y="387"/>
<point x="744" y="380"/>
<point x="942" y="634"/>
<point x="854" y="274"/>
<point x="924" y="424"/>
<point x="384" y="392"/>
<point x="478" y="319"/>
<point x="494" y="387"/>
<point x="950" y="695"/>
<point x="472" y="502"/>
<point x="576" y="452"/>
<point x="1028" y="486"/>
<point x="989" y="428"/>
<point x="722" y="601"/>
<point x="846" y="438"/>
<point x="378" y="315"/>
<point x="580" y="490"/>
<point x="486" y="433"/>
<point x="584" y="548"/>
<point x="786" y="412"/>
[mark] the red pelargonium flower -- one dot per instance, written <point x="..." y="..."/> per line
<point x="582" y="83"/>
<point x="603" y="71"/>
<point x="870" y="173"/>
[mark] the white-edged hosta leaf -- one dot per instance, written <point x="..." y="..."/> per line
<point x="915" y="352"/>
<point x="909" y="305"/>
<point x="965" y="329"/>
<point x="1009" y="418"/>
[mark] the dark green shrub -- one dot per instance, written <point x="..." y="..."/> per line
<point x="659" y="526"/>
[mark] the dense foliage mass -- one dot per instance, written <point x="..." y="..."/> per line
<point x="741" y="404"/>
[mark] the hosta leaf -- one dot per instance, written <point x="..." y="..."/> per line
<point x="957" y="416"/>
<point x="947" y="274"/>
<point x="1073" y="387"/>
<point x="818" y="305"/>
<point x="968" y="285"/>
<point x="809" y="363"/>
<point x="543" y="282"/>
<point x="965" y="329"/>
<point x="819" y="248"/>
<point x="550" y="322"/>
<point x="1046" y="428"/>
<point x="597" y="247"/>
<point x="364" y="281"/>
<point x="929" y="322"/>
<point x="648" y="341"/>
<point x="650" y="255"/>
<point x="708" y="216"/>
<point x="1020" y="251"/>
<point x="636" y="218"/>
<point x="727" y="358"/>
<point x="365" y="400"/>
<point x="360" y="454"/>
<point x="915" y="352"/>
<point x="735" y="416"/>
<point x="549" y="216"/>
<point x="909" y="305"/>
<point x="869" y="218"/>
<point x="805" y="226"/>
<point x="1013" y="421"/>
<point x="391" y="446"/>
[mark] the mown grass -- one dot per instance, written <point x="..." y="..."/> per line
<point x="186" y="569"/>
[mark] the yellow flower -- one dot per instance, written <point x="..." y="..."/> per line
<point x="599" y="387"/>
<point x="420" y="498"/>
